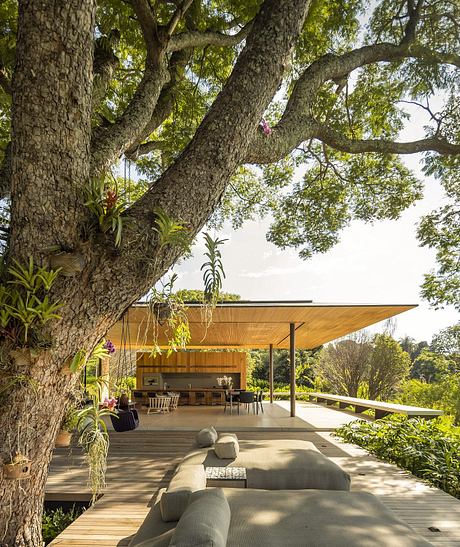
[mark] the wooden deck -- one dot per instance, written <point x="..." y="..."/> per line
<point x="140" y="462"/>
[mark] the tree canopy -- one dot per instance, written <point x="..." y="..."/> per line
<point x="335" y="121"/>
<point x="226" y="109"/>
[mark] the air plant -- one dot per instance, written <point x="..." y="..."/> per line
<point x="213" y="275"/>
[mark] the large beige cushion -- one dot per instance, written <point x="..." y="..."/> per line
<point x="205" y="522"/>
<point x="174" y="501"/>
<point x="206" y="437"/>
<point x="227" y="447"/>
<point x="314" y="518"/>
<point x="279" y="464"/>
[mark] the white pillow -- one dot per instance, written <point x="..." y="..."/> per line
<point x="227" y="447"/>
<point x="206" y="437"/>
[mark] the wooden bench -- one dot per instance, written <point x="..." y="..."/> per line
<point x="381" y="408"/>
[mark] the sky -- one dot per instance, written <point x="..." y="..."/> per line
<point x="378" y="264"/>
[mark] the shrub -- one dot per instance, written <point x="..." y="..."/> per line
<point x="444" y="395"/>
<point x="423" y="447"/>
<point x="54" y="521"/>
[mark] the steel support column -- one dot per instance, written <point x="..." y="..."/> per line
<point x="292" y="363"/>
<point x="270" y="371"/>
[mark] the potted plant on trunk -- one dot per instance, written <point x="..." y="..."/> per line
<point x="68" y="425"/>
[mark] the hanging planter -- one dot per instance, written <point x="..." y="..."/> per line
<point x="162" y="311"/>
<point x="68" y="264"/>
<point x="18" y="469"/>
<point x="63" y="439"/>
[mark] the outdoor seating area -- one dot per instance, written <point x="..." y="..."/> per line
<point x="383" y="501"/>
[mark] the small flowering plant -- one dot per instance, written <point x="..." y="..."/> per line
<point x="109" y="403"/>
<point x="265" y="127"/>
<point x="109" y="346"/>
<point x="107" y="207"/>
<point x="225" y="381"/>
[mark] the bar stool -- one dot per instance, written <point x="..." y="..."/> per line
<point x="216" y="398"/>
<point x="200" y="398"/>
<point x="184" y="398"/>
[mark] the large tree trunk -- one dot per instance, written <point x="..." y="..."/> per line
<point x="49" y="170"/>
<point x="49" y="167"/>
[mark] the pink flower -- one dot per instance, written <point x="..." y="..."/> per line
<point x="265" y="127"/>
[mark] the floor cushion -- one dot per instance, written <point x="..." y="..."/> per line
<point x="227" y="447"/>
<point x="314" y="518"/>
<point x="278" y="465"/>
<point x="205" y="522"/>
<point x="206" y="437"/>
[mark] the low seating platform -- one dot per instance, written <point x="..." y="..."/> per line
<point x="381" y="408"/>
<point x="278" y="464"/>
<point x="295" y="518"/>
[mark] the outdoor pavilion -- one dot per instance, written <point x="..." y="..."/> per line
<point x="258" y="324"/>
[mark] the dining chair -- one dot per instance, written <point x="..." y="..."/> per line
<point x="248" y="398"/>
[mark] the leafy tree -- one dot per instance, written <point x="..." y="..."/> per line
<point x="344" y="365"/>
<point x="447" y="342"/>
<point x="197" y="295"/>
<point x="305" y="361"/>
<point x="389" y="364"/>
<point x="181" y="90"/>
<point x="412" y="347"/>
<point x="430" y="366"/>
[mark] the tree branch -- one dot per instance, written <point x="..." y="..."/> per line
<point x="295" y="126"/>
<point x="341" y="142"/>
<point x="414" y="17"/>
<point x="177" y="16"/>
<point x="189" y="39"/>
<point x="109" y="143"/>
<point x="165" y="104"/>
<point x="192" y="186"/>
<point x="147" y="22"/>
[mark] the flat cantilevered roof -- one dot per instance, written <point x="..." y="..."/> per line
<point x="256" y="324"/>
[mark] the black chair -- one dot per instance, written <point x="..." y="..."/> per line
<point x="125" y="420"/>
<point x="259" y="401"/>
<point x="248" y="398"/>
<point x="232" y="399"/>
<point x="151" y="393"/>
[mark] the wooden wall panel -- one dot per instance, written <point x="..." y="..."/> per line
<point x="192" y="362"/>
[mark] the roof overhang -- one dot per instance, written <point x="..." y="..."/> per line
<point x="250" y="324"/>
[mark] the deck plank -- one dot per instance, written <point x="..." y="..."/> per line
<point x="142" y="461"/>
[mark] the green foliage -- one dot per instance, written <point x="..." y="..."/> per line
<point x="171" y="232"/>
<point x="70" y="419"/>
<point x="305" y="363"/>
<point x="430" y="366"/>
<point x="389" y="364"/>
<point x="335" y="188"/>
<point x="440" y="230"/>
<point x="25" y="305"/>
<point x="107" y="208"/>
<point x="94" y="439"/>
<point x="82" y="359"/>
<point x="443" y="394"/>
<point x="420" y="446"/>
<point x="213" y="269"/>
<point x="168" y="308"/>
<point x="447" y="343"/>
<point x="55" y="521"/>
<point x="197" y="295"/>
